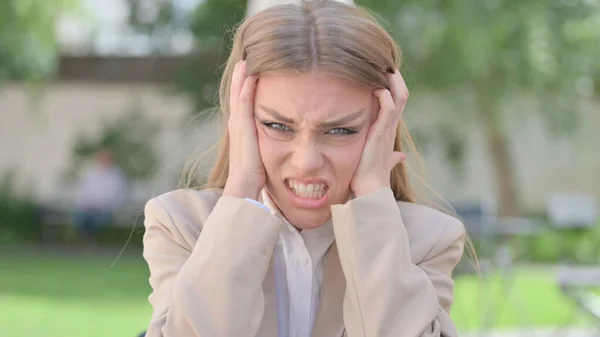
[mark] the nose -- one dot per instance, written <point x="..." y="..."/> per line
<point x="307" y="157"/>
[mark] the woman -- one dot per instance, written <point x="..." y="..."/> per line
<point x="307" y="226"/>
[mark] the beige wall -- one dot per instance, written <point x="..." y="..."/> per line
<point x="38" y="141"/>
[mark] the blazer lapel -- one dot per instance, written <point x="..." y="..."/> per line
<point x="268" y="326"/>
<point x="330" y="316"/>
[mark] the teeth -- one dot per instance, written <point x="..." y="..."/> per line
<point x="313" y="191"/>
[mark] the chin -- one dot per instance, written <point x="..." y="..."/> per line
<point x="300" y="216"/>
<point x="303" y="219"/>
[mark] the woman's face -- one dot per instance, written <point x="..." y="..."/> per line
<point x="311" y="134"/>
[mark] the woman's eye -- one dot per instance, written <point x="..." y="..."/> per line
<point x="341" y="131"/>
<point x="277" y="127"/>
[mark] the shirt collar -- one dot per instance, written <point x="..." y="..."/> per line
<point x="315" y="239"/>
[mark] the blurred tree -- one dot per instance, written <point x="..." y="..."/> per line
<point x="494" y="50"/>
<point x="19" y="219"/>
<point x="489" y="50"/>
<point x="149" y="16"/>
<point x="154" y="19"/>
<point x="212" y="24"/>
<point x="28" y="49"/>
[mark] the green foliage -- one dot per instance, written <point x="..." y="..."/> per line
<point x="212" y="24"/>
<point x="131" y="140"/>
<point x="509" y="47"/>
<point x="538" y="46"/>
<point x="142" y="22"/>
<point x="28" y="49"/>
<point x="560" y="246"/>
<point x="549" y="246"/>
<point x="199" y="79"/>
<point x="494" y="51"/>
<point x="19" y="220"/>
<point x="215" y="20"/>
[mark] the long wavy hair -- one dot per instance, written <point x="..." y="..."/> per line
<point x="329" y="37"/>
<point x="325" y="36"/>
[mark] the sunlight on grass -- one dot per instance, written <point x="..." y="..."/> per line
<point x="47" y="316"/>
<point x="73" y="297"/>
<point x="532" y="298"/>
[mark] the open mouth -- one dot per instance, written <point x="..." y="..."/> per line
<point x="309" y="191"/>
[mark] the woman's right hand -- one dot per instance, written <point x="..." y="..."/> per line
<point x="247" y="174"/>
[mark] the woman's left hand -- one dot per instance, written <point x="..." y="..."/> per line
<point x="378" y="157"/>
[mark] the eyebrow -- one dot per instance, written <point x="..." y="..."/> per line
<point x="327" y="124"/>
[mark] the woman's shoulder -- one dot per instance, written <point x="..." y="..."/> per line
<point x="182" y="210"/>
<point x="430" y="230"/>
<point x="428" y="217"/>
<point x="182" y="200"/>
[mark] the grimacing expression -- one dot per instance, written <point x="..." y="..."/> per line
<point x="311" y="133"/>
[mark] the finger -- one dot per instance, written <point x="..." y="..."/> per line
<point x="386" y="111"/>
<point x="246" y="98"/>
<point x="398" y="90"/>
<point x="237" y="82"/>
<point x="397" y="158"/>
<point x="393" y="85"/>
<point x="399" y="93"/>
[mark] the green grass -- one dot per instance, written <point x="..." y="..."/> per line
<point x="72" y="296"/>
<point x="532" y="298"/>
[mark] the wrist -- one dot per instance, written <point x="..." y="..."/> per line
<point x="241" y="189"/>
<point x="368" y="188"/>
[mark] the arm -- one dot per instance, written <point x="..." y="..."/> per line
<point x="215" y="287"/>
<point x="386" y="294"/>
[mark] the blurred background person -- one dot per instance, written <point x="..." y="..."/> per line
<point x="101" y="190"/>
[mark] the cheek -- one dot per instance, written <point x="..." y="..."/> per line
<point x="344" y="160"/>
<point x="272" y="152"/>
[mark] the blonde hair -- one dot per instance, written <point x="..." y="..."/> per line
<point x="325" y="36"/>
<point x="329" y="37"/>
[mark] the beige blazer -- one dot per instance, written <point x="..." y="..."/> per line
<point x="211" y="270"/>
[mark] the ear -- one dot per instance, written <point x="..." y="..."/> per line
<point x="374" y="108"/>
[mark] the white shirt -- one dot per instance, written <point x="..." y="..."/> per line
<point x="299" y="260"/>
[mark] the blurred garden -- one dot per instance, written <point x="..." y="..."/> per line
<point x="505" y="106"/>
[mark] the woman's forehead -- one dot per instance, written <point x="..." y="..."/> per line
<point x="311" y="97"/>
